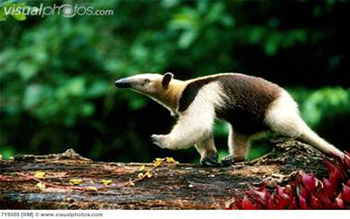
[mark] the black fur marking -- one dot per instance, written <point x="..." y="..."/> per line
<point x="166" y="79"/>
<point x="190" y="93"/>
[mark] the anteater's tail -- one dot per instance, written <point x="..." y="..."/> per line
<point x="310" y="137"/>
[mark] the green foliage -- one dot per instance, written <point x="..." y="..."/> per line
<point x="316" y="105"/>
<point x="7" y="152"/>
<point x="57" y="74"/>
<point x="9" y="9"/>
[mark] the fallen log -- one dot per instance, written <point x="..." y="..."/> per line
<point x="69" y="181"/>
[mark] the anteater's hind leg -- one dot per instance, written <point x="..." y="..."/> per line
<point x="238" y="147"/>
<point x="207" y="150"/>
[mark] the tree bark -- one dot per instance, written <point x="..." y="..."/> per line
<point x="170" y="186"/>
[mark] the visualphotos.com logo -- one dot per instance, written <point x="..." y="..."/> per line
<point x="66" y="10"/>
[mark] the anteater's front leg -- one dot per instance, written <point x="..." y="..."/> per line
<point x="207" y="150"/>
<point x="193" y="126"/>
<point x="183" y="135"/>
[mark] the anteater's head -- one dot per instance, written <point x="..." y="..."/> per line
<point x="149" y="84"/>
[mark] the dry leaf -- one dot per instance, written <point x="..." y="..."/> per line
<point x="91" y="188"/>
<point x="39" y="175"/>
<point x="157" y="163"/>
<point x="75" y="181"/>
<point x="41" y="186"/>
<point x="106" y="182"/>
<point x="143" y="168"/>
<point x="140" y="175"/>
<point x="149" y="174"/>
<point x="170" y="160"/>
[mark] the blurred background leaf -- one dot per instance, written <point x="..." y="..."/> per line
<point x="57" y="74"/>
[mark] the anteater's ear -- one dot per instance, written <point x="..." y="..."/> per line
<point x="166" y="79"/>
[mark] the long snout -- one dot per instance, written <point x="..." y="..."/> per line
<point x="123" y="83"/>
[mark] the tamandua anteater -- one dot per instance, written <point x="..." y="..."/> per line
<point x="251" y="105"/>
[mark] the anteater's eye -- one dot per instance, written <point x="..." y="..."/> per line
<point x="147" y="80"/>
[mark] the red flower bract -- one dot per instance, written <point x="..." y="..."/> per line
<point x="305" y="191"/>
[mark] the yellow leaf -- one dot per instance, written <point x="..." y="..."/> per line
<point x="0" y="157"/>
<point x="40" y="185"/>
<point x="149" y="174"/>
<point x="106" y="182"/>
<point x="140" y="175"/>
<point x="157" y="163"/>
<point x="91" y="188"/>
<point x="75" y="181"/>
<point x="143" y="168"/>
<point x="159" y="159"/>
<point x="39" y="174"/>
<point x="170" y="160"/>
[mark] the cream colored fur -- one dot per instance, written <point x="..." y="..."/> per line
<point x="170" y="97"/>
<point x="196" y="123"/>
<point x="206" y="147"/>
<point x="283" y="117"/>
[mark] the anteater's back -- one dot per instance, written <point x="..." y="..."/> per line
<point x="246" y="99"/>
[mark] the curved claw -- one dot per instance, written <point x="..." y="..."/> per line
<point x="230" y="160"/>
<point x="210" y="161"/>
